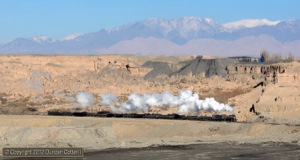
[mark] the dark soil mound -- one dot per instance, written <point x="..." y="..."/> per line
<point x="159" y="68"/>
<point x="210" y="67"/>
<point x="196" y="66"/>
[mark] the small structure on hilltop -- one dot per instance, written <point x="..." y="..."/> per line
<point x="245" y="59"/>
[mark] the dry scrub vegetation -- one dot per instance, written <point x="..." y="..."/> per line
<point x="276" y="58"/>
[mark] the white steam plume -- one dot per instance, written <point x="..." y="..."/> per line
<point x="85" y="99"/>
<point x="109" y="100"/>
<point x="186" y="101"/>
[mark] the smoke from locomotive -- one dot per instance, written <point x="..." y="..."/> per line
<point x="187" y="101"/>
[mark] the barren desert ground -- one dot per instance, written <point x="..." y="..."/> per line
<point x="32" y="85"/>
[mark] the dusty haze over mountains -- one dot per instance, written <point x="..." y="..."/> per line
<point x="184" y="36"/>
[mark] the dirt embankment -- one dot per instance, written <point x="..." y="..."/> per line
<point x="275" y="95"/>
<point x="101" y="133"/>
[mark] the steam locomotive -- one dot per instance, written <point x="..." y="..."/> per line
<point x="216" y="117"/>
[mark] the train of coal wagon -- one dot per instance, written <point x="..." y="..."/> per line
<point x="216" y="117"/>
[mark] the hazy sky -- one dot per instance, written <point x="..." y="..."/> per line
<point x="58" y="18"/>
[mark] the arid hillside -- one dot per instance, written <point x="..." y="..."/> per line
<point x="35" y="84"/>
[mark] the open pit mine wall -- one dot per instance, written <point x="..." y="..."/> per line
<point x="270" y="72"/>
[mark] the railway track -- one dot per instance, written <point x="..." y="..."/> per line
<point x="216" y="117"/>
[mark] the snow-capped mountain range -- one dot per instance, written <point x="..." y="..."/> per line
<point x="184" y="36"/>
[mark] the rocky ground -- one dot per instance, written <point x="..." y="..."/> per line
<point x="35" y="84"/>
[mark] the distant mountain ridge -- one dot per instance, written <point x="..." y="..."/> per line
<point x="186" y="35"/>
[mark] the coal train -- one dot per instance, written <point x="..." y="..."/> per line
<point x="226" y="118"/>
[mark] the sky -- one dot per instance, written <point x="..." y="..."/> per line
<point x="59" y="18"/>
